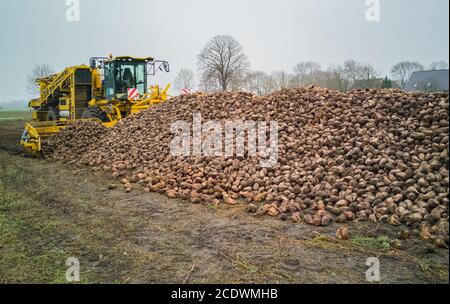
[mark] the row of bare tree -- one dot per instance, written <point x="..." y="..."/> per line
<point x="223" y="66"/>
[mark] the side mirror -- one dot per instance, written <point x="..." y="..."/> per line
<point x="92" y="63"/>
<point x="166" y="66"/>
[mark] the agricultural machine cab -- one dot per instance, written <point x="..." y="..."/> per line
<point x="123" y="73"/>
<point x="110" y="89"/>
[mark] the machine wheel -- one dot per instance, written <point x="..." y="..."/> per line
<point x="94" y="112"/>
<point x="53" y="114"/>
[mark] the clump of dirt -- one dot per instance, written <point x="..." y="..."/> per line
<point x="378" y="155"/>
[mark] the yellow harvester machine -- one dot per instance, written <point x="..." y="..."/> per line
<point x="107" y="90"/>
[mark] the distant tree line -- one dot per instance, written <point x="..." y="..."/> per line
<point x="223" y="66"/>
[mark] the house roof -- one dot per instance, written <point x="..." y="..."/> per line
<point x="438" y="79"/>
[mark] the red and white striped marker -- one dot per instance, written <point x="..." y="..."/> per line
<point x="186" y="91"/>
<point x="133" y="94"/>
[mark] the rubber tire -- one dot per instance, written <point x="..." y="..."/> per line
<point x="94" y="112"/>
<point x="53" y="114"/>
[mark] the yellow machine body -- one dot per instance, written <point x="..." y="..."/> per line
<point x="100" y="92"/>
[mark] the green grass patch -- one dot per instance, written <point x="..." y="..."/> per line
<point x="15" y="115"/>
<point x="379" y="243"/>
<point x="39" y="233"/>
<point x="27" y="254"/>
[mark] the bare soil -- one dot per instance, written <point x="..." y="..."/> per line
<point x="50" y="211"/>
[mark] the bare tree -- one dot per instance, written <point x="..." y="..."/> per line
<point x="339" y="78"/>
<point x="184" y="80"/>
<point x="259" y="83"/>
<point x="354" y="70"/>
<point x="335" y="80"/>
<point x="38" y="71"/>
<point x="238" y="83"/>
<point x="223" y="59"/>
<point x="280" y="79"/>
<point x="403" y="70"/>
<point x="368" y="74"/>
<point x="439" y="65"/>
<point x="307" y="72"/>
<point x="208" y="83"/>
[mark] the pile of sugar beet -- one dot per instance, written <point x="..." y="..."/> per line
<point x="378" y="155"/>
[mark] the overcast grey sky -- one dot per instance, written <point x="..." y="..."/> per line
<point x="275" y="34"/>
